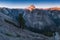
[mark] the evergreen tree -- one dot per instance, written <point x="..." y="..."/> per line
<point x="21" y="21"/>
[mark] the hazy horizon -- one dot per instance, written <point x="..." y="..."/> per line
<point x="26" y="3"/>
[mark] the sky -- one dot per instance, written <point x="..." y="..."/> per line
<point x="26" y="3"/>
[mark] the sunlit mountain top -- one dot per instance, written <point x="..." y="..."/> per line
<point x="51" y="8"/>
<point x="54" y="8"/>
<point x="31" y="7"/>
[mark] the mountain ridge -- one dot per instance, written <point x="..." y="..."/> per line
<point x="36" y="19"/>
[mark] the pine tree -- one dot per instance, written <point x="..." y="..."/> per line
<point x="22" y="21"/>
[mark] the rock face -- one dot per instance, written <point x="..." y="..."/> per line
<point x="31" y="7"/>
<point x="11" y="12"/>
<point x="10" y="31"/>
<point x="36" y="19"/>
<point x="39" y="19"/>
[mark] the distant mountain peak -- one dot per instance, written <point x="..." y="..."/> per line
<point x="31" y="7"/>
<point x="52" y="8"/>
<point x="55" y="8"/>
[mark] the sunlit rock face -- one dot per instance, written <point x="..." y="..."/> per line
<point x="31" y="7"/>
<point x="53" y="8"/>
